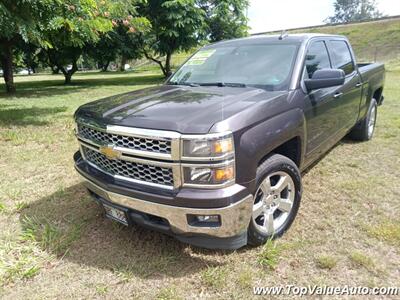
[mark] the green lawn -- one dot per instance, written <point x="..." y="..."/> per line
<point x="55" y="243"/>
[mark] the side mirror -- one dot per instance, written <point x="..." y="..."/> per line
<point x="325" y="78"/>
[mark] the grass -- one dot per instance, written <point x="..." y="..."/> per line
<point x="2" y="207"/>
<point x="269" y="256"/>
<point x="326" y="261"/>
<point x="214" y="277"/>
<point x="55" y="242"/>
<point x="168" y="293"/>
<point x="387" y="231"/>
<point x="50" y="236"/>
<point x="245" y="279"/>
<point x="360" y="259"/>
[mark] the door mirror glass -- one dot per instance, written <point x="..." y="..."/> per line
<point x="325" y="78"/>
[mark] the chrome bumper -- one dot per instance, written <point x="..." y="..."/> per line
<point x="234" y="218"/>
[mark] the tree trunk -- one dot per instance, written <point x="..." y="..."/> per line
<point x="7" y="66"/>
<point x="104" y="67"/>
<point x="55" y="70"/>
<point x="156" y="61"/>
<point x="68" y="73"/>
<point x="68" y="78"/>
<point x="168" y="71"/>
<point x="123" y="62"/>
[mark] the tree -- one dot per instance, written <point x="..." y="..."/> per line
<point x="75" y="24"/>
<point x="125" y="40"/>
<point x="17" y="20"/>
<point x="129" y="40"/>
<point x="61" y="28"/>
<point x="29" y="54"/>
<point x="176" y="25"/>
<point x="103" y="52"/>
<point x="225" y="19"/>
<point x="353" y="11"/>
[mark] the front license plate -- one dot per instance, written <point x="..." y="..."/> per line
<point x="115" y="214"/>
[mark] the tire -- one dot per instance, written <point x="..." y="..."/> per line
<point x="274" y="202"/>
<point x="365" y="130"/>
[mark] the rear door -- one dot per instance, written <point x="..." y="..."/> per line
<point x="350" y="94"/>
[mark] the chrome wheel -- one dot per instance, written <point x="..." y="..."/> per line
<point x="371" y="121"/>
<point x="273" y="202"/>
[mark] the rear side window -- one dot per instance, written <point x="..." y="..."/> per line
<point x="341" y="56"/>
<point x="317" y="58"/>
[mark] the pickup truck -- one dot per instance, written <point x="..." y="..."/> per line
<point x="214" y="156"/>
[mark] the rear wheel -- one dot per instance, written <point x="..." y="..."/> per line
<point x="276" y="200"/>
<point x="365" y="130"/>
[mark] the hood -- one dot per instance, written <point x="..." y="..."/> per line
<point x="177" y="108"/>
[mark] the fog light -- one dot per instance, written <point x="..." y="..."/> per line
<point x="208" y="219"/>
<point x="204" y="220"/>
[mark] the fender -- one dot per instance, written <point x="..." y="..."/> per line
<point x="257" y="142"/>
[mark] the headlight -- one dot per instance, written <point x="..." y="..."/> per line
<point x="216" y="160"/>
<point x="212" y="146"/>
<point x="210" y="175"/>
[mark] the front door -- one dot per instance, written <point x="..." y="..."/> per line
<point x="321" y="110"/>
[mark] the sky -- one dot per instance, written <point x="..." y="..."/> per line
<point x="268" y="15"/>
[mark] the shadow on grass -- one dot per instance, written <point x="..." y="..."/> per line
<point x="47" y="88"/>
<point x="345" y="140"/>
<point x="71" y="225"/>
<point x="27" y="116"/>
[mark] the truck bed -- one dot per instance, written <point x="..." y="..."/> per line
<point x="374" y="74"/>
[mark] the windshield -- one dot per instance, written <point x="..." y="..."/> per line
<point x="262" y="66"/>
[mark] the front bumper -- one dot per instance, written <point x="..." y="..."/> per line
<point x="229" y="233"/>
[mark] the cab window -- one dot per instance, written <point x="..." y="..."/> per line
<point x="341" y="56"/>
<point x="317" y="58"/>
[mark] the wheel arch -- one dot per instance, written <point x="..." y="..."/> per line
<point x="377" y="95"/>
<point x="291" y="149"/>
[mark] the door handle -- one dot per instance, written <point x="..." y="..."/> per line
<point x="337" y="95"/>
<point x="358" y="84"/>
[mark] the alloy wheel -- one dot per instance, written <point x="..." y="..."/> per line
<point x="273" y="202"/>
<point x="371" y="121"/>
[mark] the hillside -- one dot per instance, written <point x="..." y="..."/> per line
<point x="376" y="40"/>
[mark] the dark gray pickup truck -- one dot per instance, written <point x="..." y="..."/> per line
<point x="214" y="156"/>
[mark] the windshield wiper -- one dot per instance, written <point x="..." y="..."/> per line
<point x="222" y="84"/>
<point x="183" y="83"/>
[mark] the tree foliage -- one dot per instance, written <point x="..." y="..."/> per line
<point x="18" y="20"/>
<point x="123" y="42"/>
<point x="74" y="24"/>
<point x="225" y="19"/>
<point x="61" y="28"/>
<point x="176" y="25"/>
<point x="353" y="11"/>
<point x="59" y="32"/>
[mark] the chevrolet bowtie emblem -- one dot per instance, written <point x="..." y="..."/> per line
<point x="110" y="152"/>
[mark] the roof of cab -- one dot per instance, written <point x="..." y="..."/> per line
<point x="274" y="38"/>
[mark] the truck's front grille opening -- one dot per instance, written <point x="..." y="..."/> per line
<point x="129" y="142"/>
<point x="130" y="170"/>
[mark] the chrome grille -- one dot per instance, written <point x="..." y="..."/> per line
<point x="130" y="142"/>
<point x="132" y="170"/>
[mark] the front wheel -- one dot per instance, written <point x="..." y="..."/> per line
<point x="276" y="200"/>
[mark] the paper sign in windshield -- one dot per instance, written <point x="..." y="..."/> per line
<point x="200" y="57"/>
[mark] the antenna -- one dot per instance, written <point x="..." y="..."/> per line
<point x="283" y="35"/>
